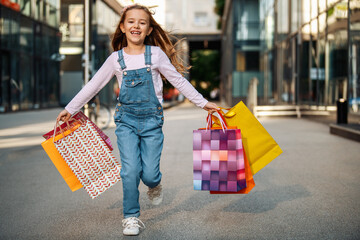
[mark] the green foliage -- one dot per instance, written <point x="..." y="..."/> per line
<point x="219" y="10"/>
<point x="205" y="70"/>
<point x="219" y="7"/>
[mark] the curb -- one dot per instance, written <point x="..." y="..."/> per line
<point x="349" y="131"/>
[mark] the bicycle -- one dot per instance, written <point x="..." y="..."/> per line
<point x="99" y="113"/>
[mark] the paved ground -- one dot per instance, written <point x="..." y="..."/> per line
<point x="311" y="191"/>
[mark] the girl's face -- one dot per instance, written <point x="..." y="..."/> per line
<point x="136" y="26"/>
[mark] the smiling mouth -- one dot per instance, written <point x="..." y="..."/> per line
<point x="135" y="32"/>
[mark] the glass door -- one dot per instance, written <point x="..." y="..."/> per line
<point x="5" y="82"/>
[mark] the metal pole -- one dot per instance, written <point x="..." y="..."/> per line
<point x="86" y="47"/>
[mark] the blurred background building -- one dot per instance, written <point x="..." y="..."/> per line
<point x="42" y="49"/>
<point x="303" y="52"/>
<point x="104" y="17"/>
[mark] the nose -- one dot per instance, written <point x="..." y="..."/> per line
<point x="136" y="24"/>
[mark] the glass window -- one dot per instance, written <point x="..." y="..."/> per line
<point x="269" y="29"/>
<point x="331" y="2"/>
<point x="5" y="30"/>
<point x="322" y="23"/>
<point x="314" y="69"/>
<point x="201" y="19"/>
<point x="283" y="19"/>
<point x="247" y="21"/>
<point x="305" y="11"/>
<point x="354" y="83"/>
<point x="38" y="39"/>
<point x="306" y="32"/>
<point x="76" y="19"/>
<point x="247" y="61"/>
<point x="25" y="7"/>
<point x="314" y="28"/>
<point x="240" y="61"/>
<point x="15" y="32"/>
<point x="52" y="19"/>
<point x="46" y="42"/>
<point x="304" y="81"/>
<point x="295" y="11"/>
<point x="15" y="84"/>
<point x="321" y="72"/>
<point x="52" y="77"/>
<point x="322" y="5"/>
<point x="45" y="10"/>
<point x="38" y="10"/>
<point x="338" y="58"/>
<point x="5" y="82"/>
<point x="26" y="82"/>
<point x="26" y="35"/>
<point x="314" y="9"/>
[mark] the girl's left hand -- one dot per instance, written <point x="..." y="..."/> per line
<point x="211" y="107"/>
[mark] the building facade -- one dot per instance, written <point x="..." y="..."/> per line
<point x="42" y="46"/>
<point x="29" y="50"/>
<point x="303" y="52"/>
<point x="104" y="17"/>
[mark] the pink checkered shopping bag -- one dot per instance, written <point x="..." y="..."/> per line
<point x="218" y="158"/>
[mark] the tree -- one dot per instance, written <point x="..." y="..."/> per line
<point x="219" y="10"/>
<point x="205" y="70"/>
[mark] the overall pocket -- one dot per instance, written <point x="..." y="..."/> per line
<point x="137" y="90"/>
<point x="118" y="115"/>
<point x="159" y="120"/>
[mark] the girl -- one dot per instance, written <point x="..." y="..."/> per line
<point x="142" y="53"/>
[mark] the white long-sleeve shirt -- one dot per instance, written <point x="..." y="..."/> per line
<point x="160" y="64"/>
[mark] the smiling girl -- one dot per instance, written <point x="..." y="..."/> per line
<point x="142" y="53"/>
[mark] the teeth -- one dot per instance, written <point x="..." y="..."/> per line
<point x="135" y="33"/>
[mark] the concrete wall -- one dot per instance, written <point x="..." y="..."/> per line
<point x="191" y="16"/>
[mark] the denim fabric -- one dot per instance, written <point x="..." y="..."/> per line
<point x="139" y="119"/>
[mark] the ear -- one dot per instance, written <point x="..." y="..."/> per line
<point x="150" y="30"/>
<point x="122" y="27"/>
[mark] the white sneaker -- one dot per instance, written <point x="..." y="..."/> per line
<point x="132" y="226"/>
<point x="155" y="194"/>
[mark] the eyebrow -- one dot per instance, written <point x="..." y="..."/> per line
<point x="142" y="19"/>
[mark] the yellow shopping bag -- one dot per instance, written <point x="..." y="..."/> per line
<point x="259" y="146"/>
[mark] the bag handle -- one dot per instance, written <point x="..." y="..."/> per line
<point x="209" y="120"/>
<point x="57" y="124"/>
<point x="228" y="114"/>
<point x="55" y="128"/>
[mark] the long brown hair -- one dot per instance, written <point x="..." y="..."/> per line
<point x="158" y="37"/>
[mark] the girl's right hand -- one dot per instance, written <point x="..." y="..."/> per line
<point x="211" y="107"/>
<point x="64" y="116"/>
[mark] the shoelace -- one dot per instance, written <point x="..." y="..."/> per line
<point x="154" y="192"/>
<point x="132" y="222"/>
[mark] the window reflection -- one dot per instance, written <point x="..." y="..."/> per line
<point x="30" y="76"/>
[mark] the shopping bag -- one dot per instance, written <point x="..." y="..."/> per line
<point x="90" y="159"/>
<point x="250" y="183"/>
<point x="218" y="160"/>
<point x="260" y="148"/>
<point x="59" y="162"/>
<point x="80" y="117"/>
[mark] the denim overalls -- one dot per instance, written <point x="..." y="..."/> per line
<point x="139" y="119"/>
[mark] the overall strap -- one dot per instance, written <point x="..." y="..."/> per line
<point x="121" y="59"/>
<point x="147" y="55"/>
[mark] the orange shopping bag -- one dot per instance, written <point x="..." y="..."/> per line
<point x="59" y="162"/>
